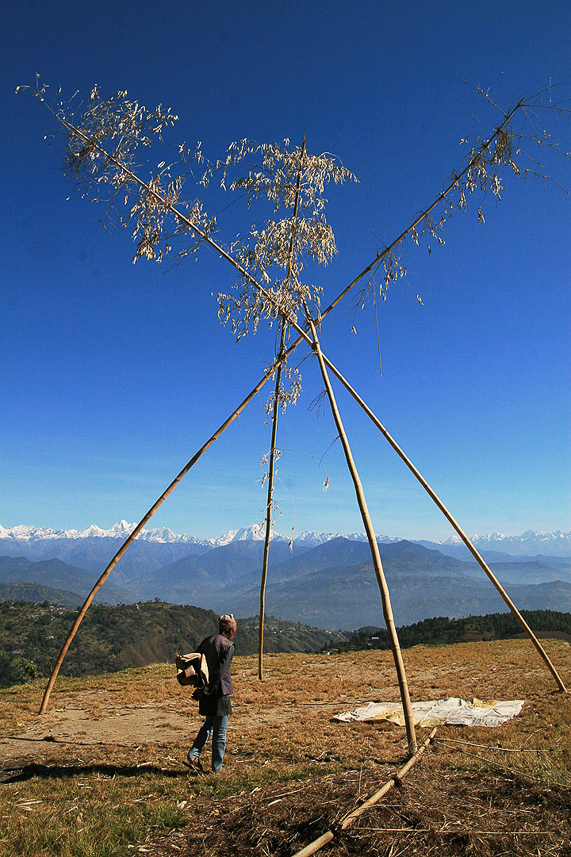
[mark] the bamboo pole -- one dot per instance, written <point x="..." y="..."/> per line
<point x="277" y="364"/>
<point x="377" y="564"/>
<point x="473" y="550"/>
<point x="269" y="506"/>
<point x="269" y="503"/>
<point x="126" y="544"/>
<point x="400" y="775"/>
<point x="350" y="817"/>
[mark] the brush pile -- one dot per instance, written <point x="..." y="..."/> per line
<point x="433" y="812"/>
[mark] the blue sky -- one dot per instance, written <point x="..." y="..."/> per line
<point x="113" y="375"/>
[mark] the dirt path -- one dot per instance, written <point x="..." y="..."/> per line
<point x="90" y="719"/>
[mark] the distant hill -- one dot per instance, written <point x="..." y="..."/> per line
<point x="441" y="631"/>
<point x="94" y="553"/>
<point x="36" y="593"/>
<point x="211" y="577"/>
<point x="115" y="638"/>
<point x="422" y="583"/>
<point x="58" y="575"/>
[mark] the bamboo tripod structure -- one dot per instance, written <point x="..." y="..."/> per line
<point x="213" y="438"/>
<point x="196" y="457"/>
<point x="324" y="361"/>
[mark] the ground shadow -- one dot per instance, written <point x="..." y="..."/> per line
<point x="26" y="772"/>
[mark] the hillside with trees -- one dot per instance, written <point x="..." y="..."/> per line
<point x="441" y="630"/>
<point x="129" y="635"/>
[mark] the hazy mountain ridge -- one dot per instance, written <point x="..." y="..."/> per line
<point x="347" y="598"/>
<point x="423" y="583"/>
<point x="56" y="574"/>
<point x="329" y="586"/>
<point x="35" y="593"/>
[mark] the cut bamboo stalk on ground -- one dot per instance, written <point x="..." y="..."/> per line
<point x="375" y="554"/>
<point x="352" y="816"/>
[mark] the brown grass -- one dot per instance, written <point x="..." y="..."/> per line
<point x="111" y="775"/>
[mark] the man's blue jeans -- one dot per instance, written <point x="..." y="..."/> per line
<point x="217" y="728"/>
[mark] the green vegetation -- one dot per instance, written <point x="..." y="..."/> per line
<point x="442" y="631"/>
<point x="130" y="635"/>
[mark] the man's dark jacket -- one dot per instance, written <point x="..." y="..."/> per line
<point x="215" y="701"/>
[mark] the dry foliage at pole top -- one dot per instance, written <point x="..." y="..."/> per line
<point x="108" y="143"/>
<point x="105" y="138"/>
<point x="275" y="253"/>
<point x="108" y="146"/>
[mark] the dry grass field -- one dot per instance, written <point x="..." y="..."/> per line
<point x="101" y="773"/>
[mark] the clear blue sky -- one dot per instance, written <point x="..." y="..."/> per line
<point x="113" y="374"/>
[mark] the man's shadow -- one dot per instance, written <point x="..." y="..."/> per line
<point x="21" y="774"/>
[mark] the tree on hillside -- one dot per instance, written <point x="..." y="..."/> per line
<point x="108" y="147"/>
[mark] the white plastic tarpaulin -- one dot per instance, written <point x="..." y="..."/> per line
<point x="453" y="711"/>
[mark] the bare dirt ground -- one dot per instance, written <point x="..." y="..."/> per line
<point x="290" y="772"/>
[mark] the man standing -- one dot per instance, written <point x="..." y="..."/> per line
<point x="215" y="704"/>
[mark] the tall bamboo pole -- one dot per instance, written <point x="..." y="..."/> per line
<point x="269" y="504"/>
<point x="475" y="553"/>
<point x="127" y="543"/>
<point x="376" y="556"/>
<point x="277" y="364"/>
<point x="269" y="509"/>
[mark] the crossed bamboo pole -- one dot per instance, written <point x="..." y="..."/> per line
<point x="302" y="336"/>
<point x="375" y="554"/>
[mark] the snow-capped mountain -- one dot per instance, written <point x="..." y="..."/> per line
<point x="121" y="530"/>
<point x="529" y="543"/>
<point x="253" y="533"/>
<point x="214" y="573"/>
